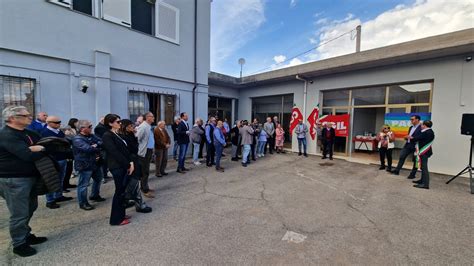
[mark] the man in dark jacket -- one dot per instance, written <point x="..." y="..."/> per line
<point x="18" y="177"/>
<point x="210" y="149"/>
<point x="235" y="140"/>
<point x="409" y="148"/>
<point x="99" y="131"/>
<point x="174" y="128"/>
<point x="52" y="130"/>
<point x="182" y="133"/>
<point x="423" y="151"/>
<point x="86" y="149"/>
<point x="328" y="136"/>
<point x="39" y="123"/>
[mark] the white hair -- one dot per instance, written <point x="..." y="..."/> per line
<point x="83" y="124"/>
<point x="11" y="111"/>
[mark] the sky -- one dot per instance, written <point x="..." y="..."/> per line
<point x="268" y="34"/>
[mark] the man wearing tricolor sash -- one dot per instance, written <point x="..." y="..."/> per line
<point x="423" y="152"/>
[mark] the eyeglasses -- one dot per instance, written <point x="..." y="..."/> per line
<point x="118" y="121"/>
<point x="90" y="126"/>
<point x="55" y="122"/>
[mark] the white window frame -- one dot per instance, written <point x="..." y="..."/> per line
<point x="69" y="4"/>
<point x="116" y="20"/>
<point x="64" y="3"/>
<point x="157" y="34"/>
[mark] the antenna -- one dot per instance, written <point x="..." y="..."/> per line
<point x="241" y="63"/>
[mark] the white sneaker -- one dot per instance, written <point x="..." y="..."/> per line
<point x="197" y="163"/>
<point x="263" y="155"/>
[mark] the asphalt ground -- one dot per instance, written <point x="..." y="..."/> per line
<point x="281" y="210"/>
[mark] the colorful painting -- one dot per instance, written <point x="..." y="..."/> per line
<point x="400" y="122"/>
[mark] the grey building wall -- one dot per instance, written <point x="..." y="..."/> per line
<point x="453" y="95"/>
<point x="59" y="47"/>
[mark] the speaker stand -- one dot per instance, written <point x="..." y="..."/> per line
<point x="468" y="169"/>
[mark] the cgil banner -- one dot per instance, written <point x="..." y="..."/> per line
<point x="341" y="123"/>
<point x="296" y="116"/>
<point x="400" y="122"/>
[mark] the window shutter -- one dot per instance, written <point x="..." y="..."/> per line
<point x="167" y="22"/>
<point x="118" y="11"/>
<point x="66" y="3"/>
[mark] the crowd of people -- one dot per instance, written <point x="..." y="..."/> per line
<point x="125" y="149"/>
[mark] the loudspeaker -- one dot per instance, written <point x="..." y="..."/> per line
<point x="467" y="124"/>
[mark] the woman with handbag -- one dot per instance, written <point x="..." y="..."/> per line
<point x="132" y="191"/>
<point x="386" y="144"/>
<point x="121" y="165"/>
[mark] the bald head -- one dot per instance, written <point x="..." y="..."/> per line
<point x="53" y="121"/>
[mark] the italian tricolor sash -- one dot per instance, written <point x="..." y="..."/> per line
<point x="420" y="152"/>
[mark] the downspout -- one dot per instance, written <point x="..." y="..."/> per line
<point x="195" y="61"/>
<point x="305" y="94"/>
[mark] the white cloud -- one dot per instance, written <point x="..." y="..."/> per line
<point x="403" y="23"/>
<point x="233" y="24"/>
<point x="293" y="3"/>
<point x="279" y="58"/>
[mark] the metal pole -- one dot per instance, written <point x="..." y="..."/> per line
<point x="241" y="71"/>
<point x="358" y="38"/>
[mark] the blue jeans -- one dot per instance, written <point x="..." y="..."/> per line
<point x="246" y="153"/>
<point x="175" y="150"/>
<point x="183" y="149"/>
<point x="196" y="152"/>
<point x="261" y="147"/>
<point x="219" y="148"/>
<point x="83" y="183"/>
<point x="302" y="142"/>
<point x="50" y="197"/>
<point x="21" y="199"/>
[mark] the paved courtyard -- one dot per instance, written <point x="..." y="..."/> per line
<point x="283" y="209"/>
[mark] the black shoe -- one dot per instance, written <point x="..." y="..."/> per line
<point x="185" y="169"/>
<point x="24" y="250"/>
<point x="145" y="210"/>
<point x="244" y="164"/>
<point x="411" y="177"/>
<point x="395" y="172"/>
<point x="52" y="205"/>
<point x="180" y="171"/>
<point x="87" y="207"/>
<point x="35" y="240"/>
<point x="159" y="176"/>
<point x="234" y="159"/>
<point x="382" y="167"/>
<point x="71" y="186"/>
<point x="63" y="198"/>
<point x="299" y="154"/>
<point x="324" y="158"/>
<point x="271" y="152"/>
<point x="129" y="204"/>
<point x="416" y="181"/>
<point x="389" y="169"/>
<point x="164" y="173"/>
<point x="97" y="199"/>
<point x="305" y="155"/>
<point x="66" y="190"/>
<point x="209" y="165"/>
<point x="330" y="158"/>
<point x="421" y="186"/>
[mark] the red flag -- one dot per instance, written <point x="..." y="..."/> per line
<point x="312" y="119"/>
<point x="296" y="115"/>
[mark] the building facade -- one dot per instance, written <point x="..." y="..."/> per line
<point x="432" y="76"/>
<point x="87" y="58"/>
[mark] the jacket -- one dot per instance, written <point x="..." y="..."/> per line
<point x="416" y="134"/>
<point x="196" y="134"/>
<point x="181" y="132"/>
<point x="99" y="130"/>
<point x="219" y="136"/>
<point x="118" y="155"/>
<point x="301" y="132"/>
<point x="49" y="181"/>
<point x="58" y="156"/>
<point x="210" y="133"/>
<point x="132" y="146"/>
<point x="161" y="138"/>
<point x="423" y="139"/>
<point x="247" y="135"/>
<point x="234" y="136"/>
<point x="332" y="135"/>
<point x="174" y="128"/>
<point x="143" y="136"/>
<point x="37" y="126"/>
<point x="16" y="159"/>
<point x="85" y="156"/>
<point x="269" y="128"/>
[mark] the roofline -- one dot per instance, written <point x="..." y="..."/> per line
<point x="450" y="44"/>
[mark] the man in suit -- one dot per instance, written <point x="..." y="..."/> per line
<point x="423" y="151"/>
<point x="52" y="130"/>
<point x="162" y="144"/>
<point x="269" y="128"/>
<point x="301" y="130"/>
<point x="409" y="147"/>
<point x="39" y="123"/>
<point x="328" y="135"/>
<point x="182" y="133"/>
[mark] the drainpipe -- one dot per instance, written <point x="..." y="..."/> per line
<point x="305" y="94"/>
<point x="195" y="61"/>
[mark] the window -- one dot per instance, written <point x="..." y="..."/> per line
<point x="336" y="98"/>
<point x="142" y="16"/>
<point x="170" y="110"/>
<point x="140" y="103"/>
<point x="83" y="6"/>
<point x="413" y="93"/>
<point x="137" y="104"/>
<point x="118" y="11"/>
<point x="167" y="22"/>
<point x="16" y="91"/>
<point x="66" y="3"/>
<point x="369" y="96"/>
